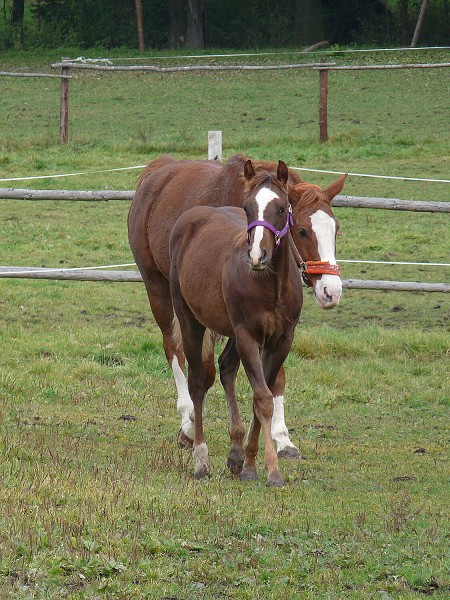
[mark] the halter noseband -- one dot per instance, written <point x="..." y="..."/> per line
<point x="278" y="234"/>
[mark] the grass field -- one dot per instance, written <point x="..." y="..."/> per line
<point x="96" y="501"/>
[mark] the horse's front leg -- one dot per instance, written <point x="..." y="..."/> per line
<point x="229" y="364"/>
<point x="262" y="412"/>
<point x="280" y="434"/>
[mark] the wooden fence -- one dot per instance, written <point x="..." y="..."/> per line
<point x="341" y="200"/>
<point x="64" y="104"/>
<point x="322" y="67"/>
<point x="133" y="276"/>
<point x="323" y="86"/>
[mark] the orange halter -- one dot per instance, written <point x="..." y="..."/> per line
<point x="315" y="267"/>
<point x="321" y="267"/>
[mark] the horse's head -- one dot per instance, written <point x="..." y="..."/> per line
<point x="268" y="212"/>
<point x="314" y="232"/>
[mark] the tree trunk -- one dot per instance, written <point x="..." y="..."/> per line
<point x="177" y="31"/>
<point x="140" y="25"/>
<point x="404" y="22"/>
<point x="196" y="37"/>
<point x="423" y="10"/>
<point x="309" y="22"/>
<point x="18" y="9"/>
<point x="446" y="14"/>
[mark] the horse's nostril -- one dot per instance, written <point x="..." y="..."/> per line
<point x="263" y="256"/>
<point x="328" y="296"/>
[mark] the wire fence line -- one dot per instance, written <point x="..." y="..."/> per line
<point x="309" y="169"/>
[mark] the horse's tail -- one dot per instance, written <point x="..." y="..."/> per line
<point x="209" y="339"/>
<point x="156" y="164"/>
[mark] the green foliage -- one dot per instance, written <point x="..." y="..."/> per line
<point x="229" y="23"/>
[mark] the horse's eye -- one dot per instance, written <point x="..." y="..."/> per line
<point x="281" y="210"/>
<point x="303" y="233"/>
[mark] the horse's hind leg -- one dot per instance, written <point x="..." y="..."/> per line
<point x="201" y="373"/>
<point x="229" y="364"/>
<point x="280" y="434"/>
<point x="158" y="292"/>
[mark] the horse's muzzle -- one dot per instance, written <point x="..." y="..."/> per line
<point x="328" y="291"/>
<point x="258" y="263"/>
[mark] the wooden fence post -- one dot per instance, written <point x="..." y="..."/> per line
<point x="215" y="145"/>
<point x="64" y="109"/>
<point x="323" y="105"/>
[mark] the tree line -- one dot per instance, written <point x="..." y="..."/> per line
<point x="199" y="24"/>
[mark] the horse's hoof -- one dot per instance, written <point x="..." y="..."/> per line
<point x="290" y="452"/>
<point x="183" y="441"/>
<point x="202" y="472"/>
<point x="275" y="480"/>
<point x="248" y="474"/>
<point x="235" y="464"/>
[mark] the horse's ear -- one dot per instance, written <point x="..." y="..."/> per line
<point x="249" y="171"/>
<point x="336" y="187"/>
<point x="282" y="173"/>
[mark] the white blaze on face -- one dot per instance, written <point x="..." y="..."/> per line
<point x="263" y="197"/>
<point x="328" y="288"/>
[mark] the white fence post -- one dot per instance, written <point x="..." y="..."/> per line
<point x="215" y="145"/>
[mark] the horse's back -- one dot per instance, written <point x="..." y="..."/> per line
<point x="165" y="189"/>
<point x="207" y="227"/>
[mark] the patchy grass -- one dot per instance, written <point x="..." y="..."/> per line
<point x="96" y="498"/>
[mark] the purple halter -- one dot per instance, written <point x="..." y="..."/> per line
<point x="278" y="234"/>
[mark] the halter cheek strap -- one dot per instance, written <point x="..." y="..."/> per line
<point x="277" y="234"/>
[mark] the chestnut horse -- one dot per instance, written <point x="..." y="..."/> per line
<point x="167" y="188"/>
<point x="250" y="292"/>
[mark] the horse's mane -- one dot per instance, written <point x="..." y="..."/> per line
<point x="263" y="177"/>
<point x="238" y="160"/>
<point x="310" y="194"/>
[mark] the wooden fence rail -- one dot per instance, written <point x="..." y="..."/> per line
<point x="135" y="276"/>
<point x="49" y="75"/>
<point x="106" y="195"/>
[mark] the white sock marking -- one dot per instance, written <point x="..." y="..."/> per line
<point x="279" y="431"/>
<point x="185" y="406"/>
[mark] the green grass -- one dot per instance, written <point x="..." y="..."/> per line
<point x="95" y="499"/>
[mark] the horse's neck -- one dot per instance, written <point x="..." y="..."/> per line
<point x="281" y="267"/>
